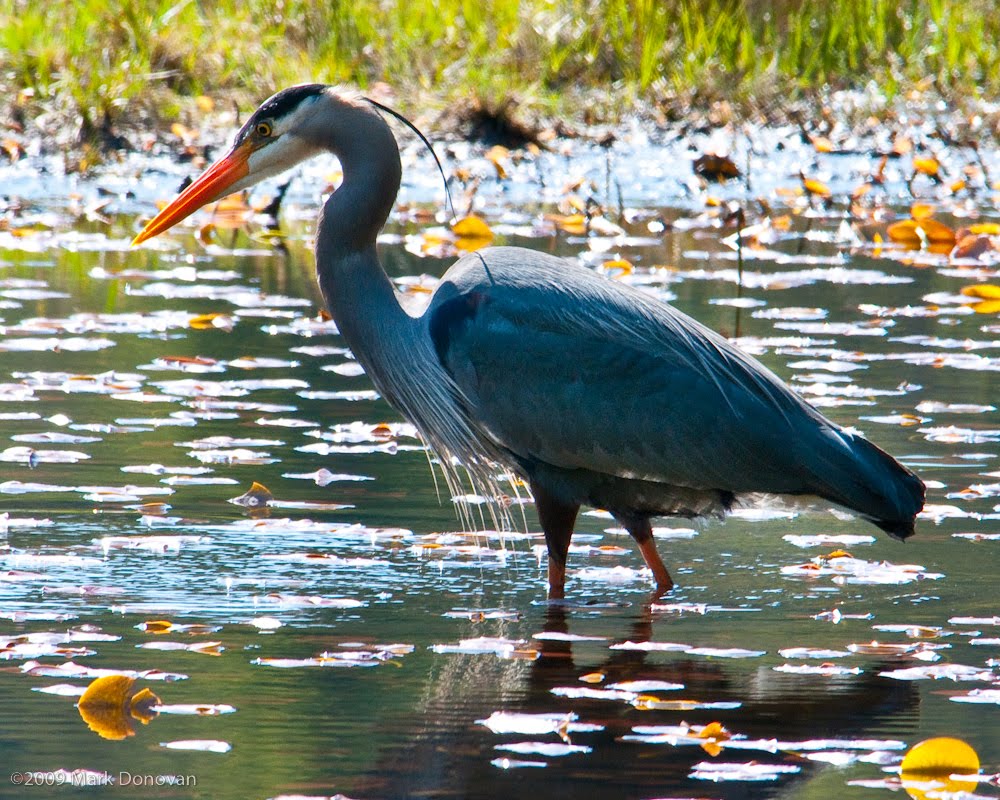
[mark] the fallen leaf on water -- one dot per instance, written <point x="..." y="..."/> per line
<point x="816" y="187"/>
<point x="715" y="167"/>
<point x="915" y="234"/>
<point x="617" y="267"/>
<point x="497" y="156"/>
<point x="158" y="626"/>
<point x="109" y="705"/>
<point x="211" y="321"/>
<point x="207" y="648"/>
<point x="713" y="733"/>
<point x="970" y="246"/>
<point x="257" y="496"/>
<point x="651" y="703"/>
<point x="472" y="227"/>
<point x="575" y="224"/>
<point x="933" y="768"/>
<point x="927" y="165"/>
<point x="987" y="293"/>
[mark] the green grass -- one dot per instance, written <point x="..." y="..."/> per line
<point x="97" y="64"/>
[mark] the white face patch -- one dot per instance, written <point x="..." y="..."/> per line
<point x="294" y="120"/>
<point x="281" y="153"/>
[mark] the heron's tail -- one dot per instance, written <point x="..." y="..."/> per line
<point x="876" y="486"/>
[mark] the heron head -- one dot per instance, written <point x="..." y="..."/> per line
<point x="271" y="141"/>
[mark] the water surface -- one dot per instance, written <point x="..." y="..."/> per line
<point x="141" y="390"/>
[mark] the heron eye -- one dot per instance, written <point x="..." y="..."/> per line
<point x="264" y="129"/>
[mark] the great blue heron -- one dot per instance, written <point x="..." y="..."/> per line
<point x="593" y="392"/>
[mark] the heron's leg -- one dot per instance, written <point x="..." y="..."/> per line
<point x="557" y="520"/>
<point x="642" y="531"/>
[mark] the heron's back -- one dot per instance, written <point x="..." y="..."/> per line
<point x="591" y="383"/>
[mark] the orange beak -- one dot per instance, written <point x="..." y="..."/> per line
<point x="211" y="185"/>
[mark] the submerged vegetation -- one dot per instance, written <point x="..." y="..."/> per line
<point x="99" y="65"/>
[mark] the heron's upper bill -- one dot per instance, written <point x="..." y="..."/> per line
<point x="213" y="184"/>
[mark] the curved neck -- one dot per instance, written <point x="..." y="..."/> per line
<point x="358" y="293"/>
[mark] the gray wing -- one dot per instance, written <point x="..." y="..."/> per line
<point x="559" y="365"/>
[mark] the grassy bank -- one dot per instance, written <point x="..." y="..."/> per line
<point x="98" y="65"/>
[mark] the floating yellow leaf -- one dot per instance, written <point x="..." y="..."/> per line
<point x="12" y="148"/>
<point x="593" y="677"/>
<point x="204" y="103"/>
<point x="915" y="234"/>
<point x="813" y="186"/>
<point x="198" y="361"/>
<point x="204" y="322"/>
<point x="472" y="232"/>
<point x="928" y="767"/>
<point x="573" y="185"/>
<point x="985" y="228"/>
<point x="109" y="705"/>
<point x="472" y="227"/>
<point x="987" y="307"/>
<point x="822" y="144"/>
<point x="497" y="155"/>
<point x="927" y="165"/>
<point x="618" y="267"/>
<point x="156" y="626"/>
<point x="570" y="223"/>
<point x="921" y="211"/>
<point x="986" y="291"/>
<point x="183" y="132"/>
<point x="957" y="186"/>
<point x="713" y="733"/>
<point x="208" y="648"/>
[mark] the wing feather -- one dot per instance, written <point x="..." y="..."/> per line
<point x="559" y="365"/>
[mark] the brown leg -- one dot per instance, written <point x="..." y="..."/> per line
<point x="557" y="520"/>
<point x="642" y="532"/>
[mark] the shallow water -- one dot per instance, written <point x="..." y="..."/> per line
<point x="107" y="346"/>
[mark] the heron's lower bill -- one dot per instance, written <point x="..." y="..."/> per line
<point x="211" y="185"/>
